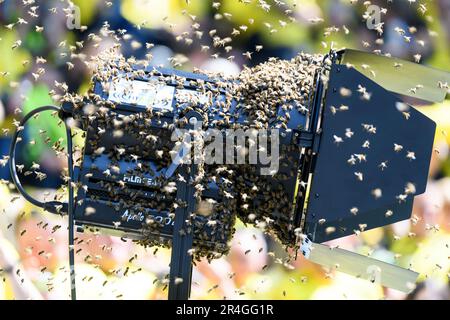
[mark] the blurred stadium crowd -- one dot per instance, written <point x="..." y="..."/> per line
<point x="107" y="267"/>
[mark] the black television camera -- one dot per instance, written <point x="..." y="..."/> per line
<point x="129" y="185"/>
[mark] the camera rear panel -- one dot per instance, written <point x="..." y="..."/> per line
<point x="125" y="187"/>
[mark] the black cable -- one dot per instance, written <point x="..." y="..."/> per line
<point x="12" y="160"/>
<point x="51" y="206"/>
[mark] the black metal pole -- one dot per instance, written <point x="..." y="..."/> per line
<point x="181" y="260"/>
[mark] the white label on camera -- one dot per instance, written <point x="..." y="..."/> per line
<point x="143" y="93"/>
<point x="191" y="96"/>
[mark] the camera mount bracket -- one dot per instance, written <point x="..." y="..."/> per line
<point x="181" y="259"/>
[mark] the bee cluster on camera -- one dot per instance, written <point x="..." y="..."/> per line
<point x="128" y="147"/>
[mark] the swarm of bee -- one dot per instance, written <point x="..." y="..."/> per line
<point x="260" y="92"/>
<point x="257" y="93"/>
<point x="277" y="84"/>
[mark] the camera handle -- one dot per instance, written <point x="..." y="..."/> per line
<point x="50" y="206"/>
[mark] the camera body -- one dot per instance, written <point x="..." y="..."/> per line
<point x="123" y="202"/>
<point x="104" y="193"/>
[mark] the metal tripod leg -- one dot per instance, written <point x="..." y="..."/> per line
<point x="181" y="261"/>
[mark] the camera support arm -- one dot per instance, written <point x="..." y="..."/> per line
<point x="181" y="259"/>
